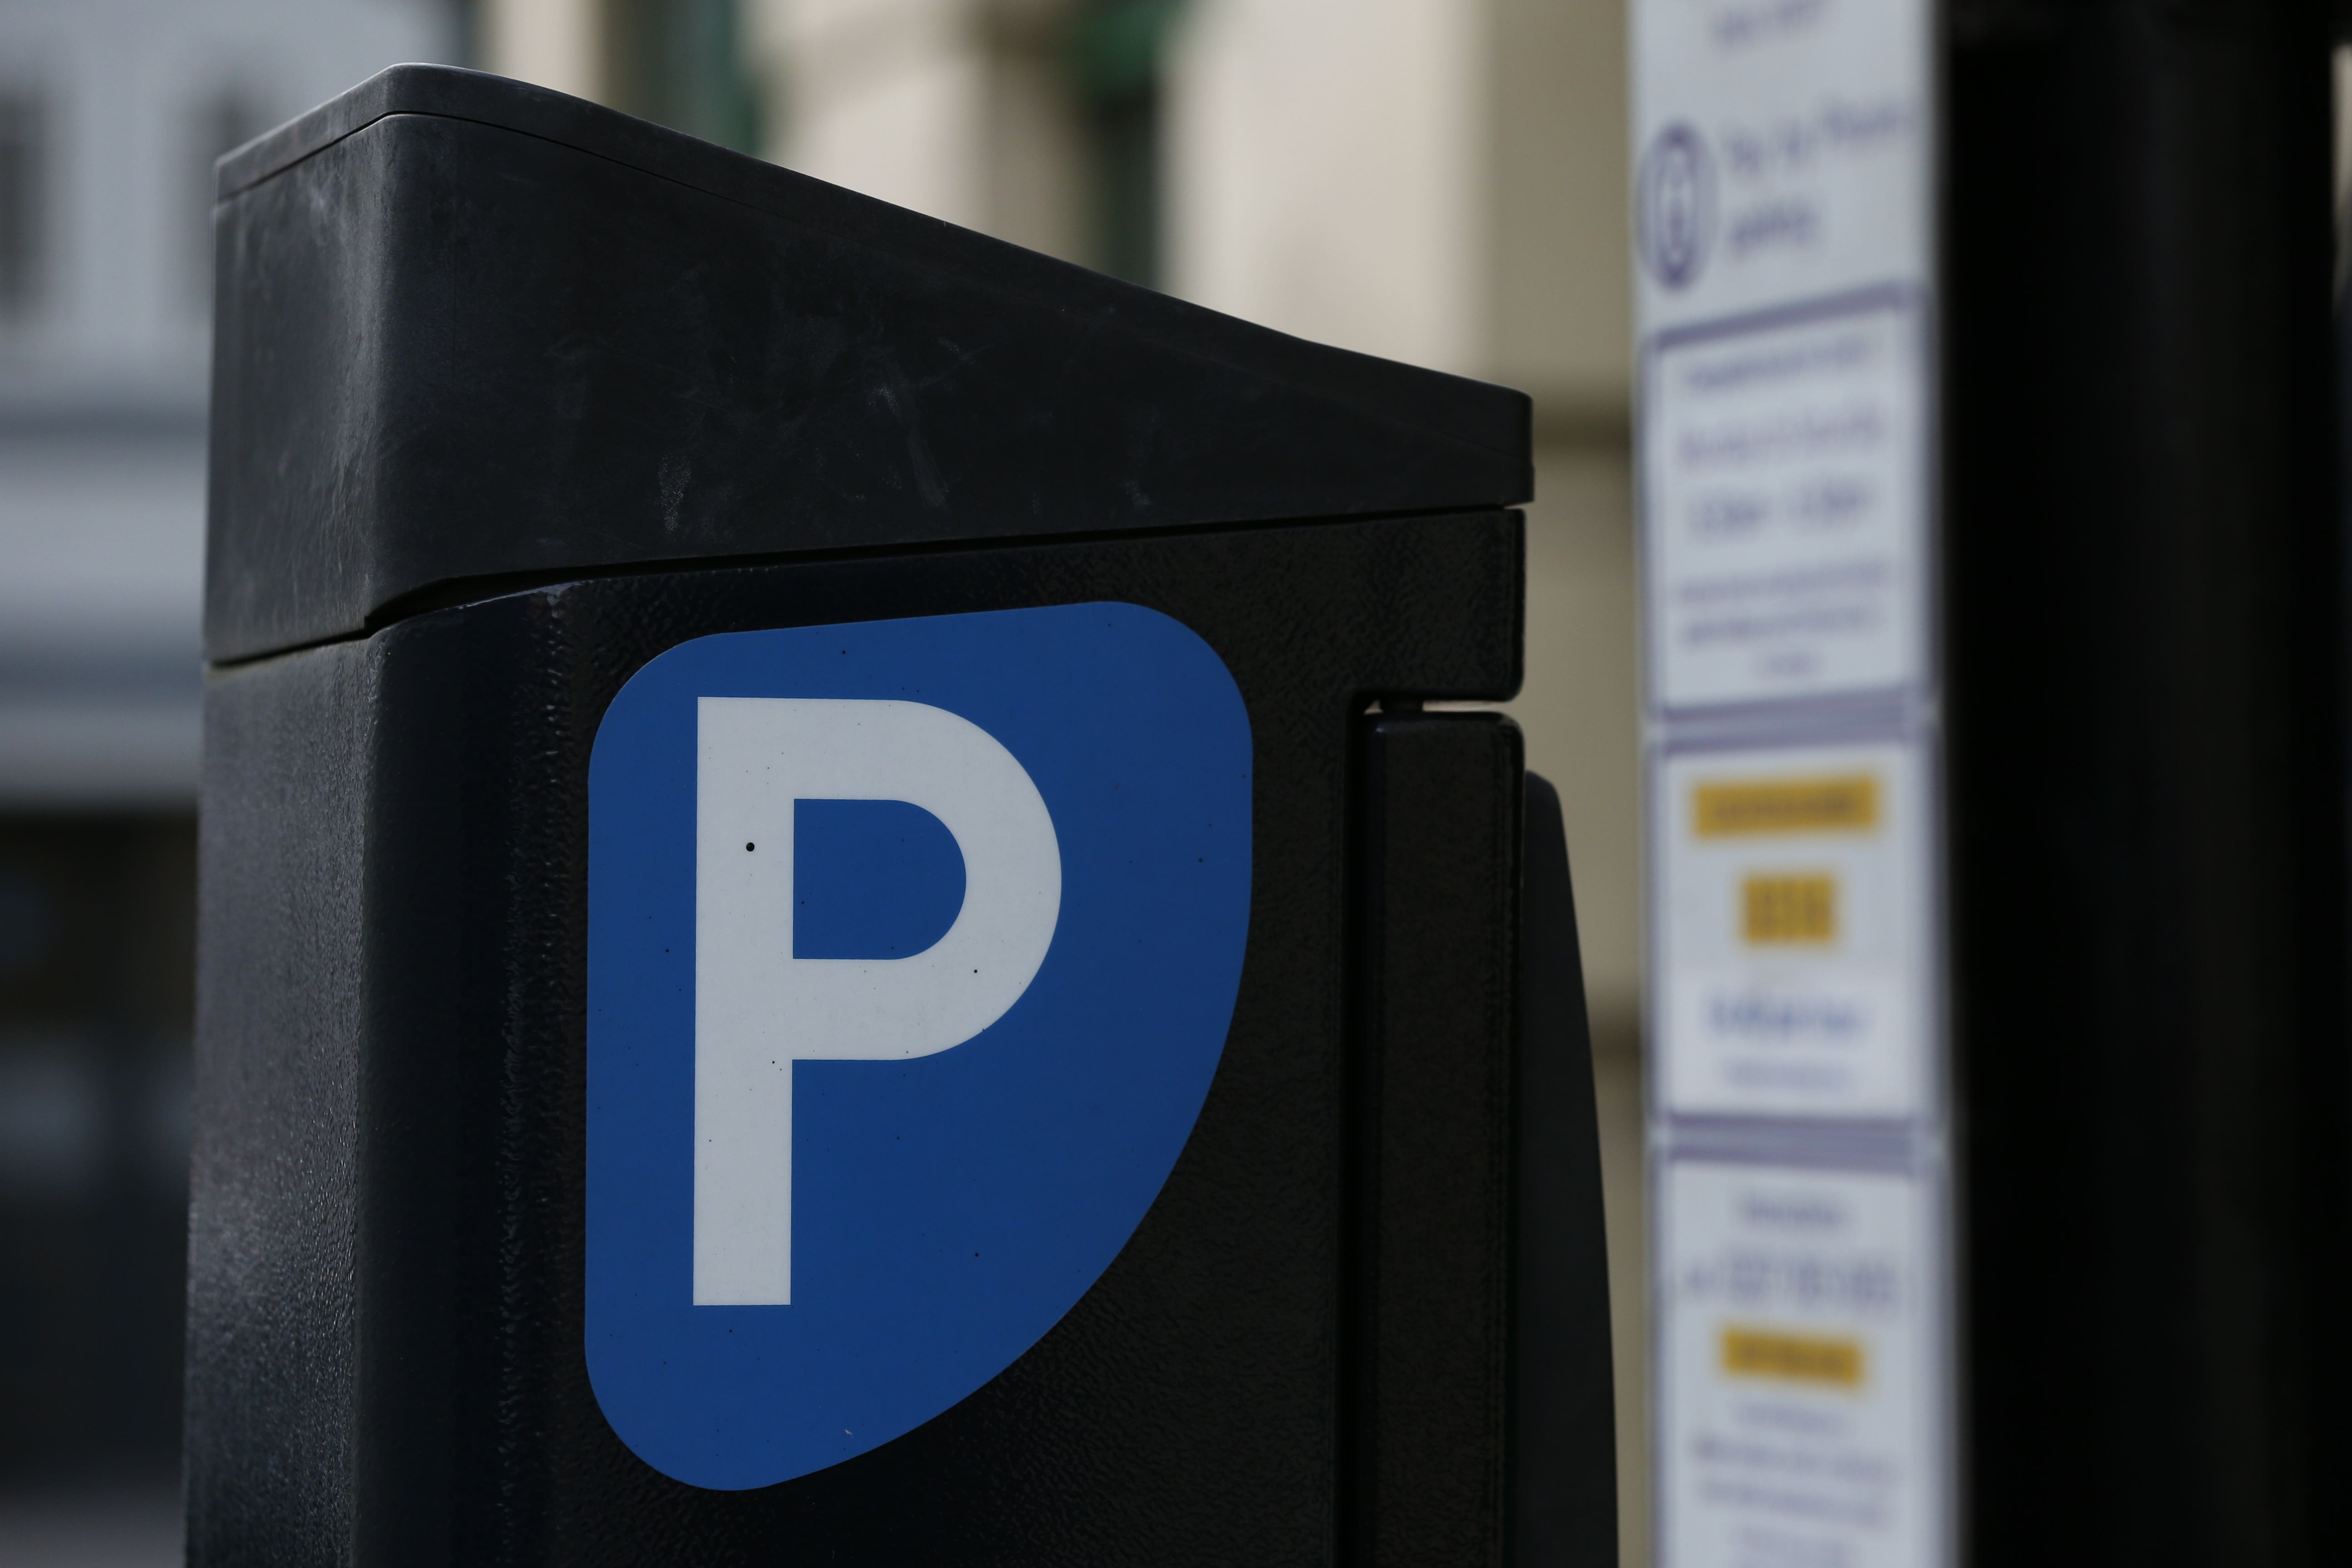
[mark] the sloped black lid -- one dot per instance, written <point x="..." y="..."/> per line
<point x="473" y="332"/>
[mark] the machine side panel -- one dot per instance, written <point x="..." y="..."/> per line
<point x="273" y="1297"/>
<point x="1563" y="1416"/>
<point x="1438" y="988"/>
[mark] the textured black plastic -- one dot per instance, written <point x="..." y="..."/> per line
<point x="1563" y="1400"/>
<point x="468" y="329"/>
<point x="274" y="1298"/>
<point x="386" y="1292"/>
<point x="1438" y="984"/>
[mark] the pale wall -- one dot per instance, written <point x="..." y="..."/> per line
<point x="958" y="108"/>
<point x="1323" y="161"/>
<point x="1561" y="307"/>
<point x="553" y="43"/>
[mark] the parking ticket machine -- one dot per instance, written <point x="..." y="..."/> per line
<point x="835" y="925"/>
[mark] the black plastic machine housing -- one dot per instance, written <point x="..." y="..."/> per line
<point x="512" y="393"/>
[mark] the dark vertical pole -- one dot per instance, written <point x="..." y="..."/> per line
<point x="2146" y="661"/>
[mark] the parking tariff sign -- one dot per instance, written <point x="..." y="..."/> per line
<point x="1784" y="217"/>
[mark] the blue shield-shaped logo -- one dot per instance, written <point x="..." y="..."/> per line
<point x="912" y="949"/>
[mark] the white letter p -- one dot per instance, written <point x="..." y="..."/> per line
<point x="757" y="1009"/>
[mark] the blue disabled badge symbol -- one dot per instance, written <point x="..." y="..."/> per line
<point x="912" y="949"/>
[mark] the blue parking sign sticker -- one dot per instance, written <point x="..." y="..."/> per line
<point x="912" y="949"/>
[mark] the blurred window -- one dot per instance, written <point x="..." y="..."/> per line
<point x="680" y="63"/>
<point x="1115" y="55"/>
<point x="97" y="943"/>
<point x="21" y="199"/>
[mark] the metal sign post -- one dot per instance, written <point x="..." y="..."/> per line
<point x="1997" y="858"/>
<point x="833" y="924"/>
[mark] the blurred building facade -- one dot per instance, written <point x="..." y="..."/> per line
<point x="111" y="112"/>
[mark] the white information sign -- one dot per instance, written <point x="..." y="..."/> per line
<point x="1785" y="481"/>
<point x="1784" y="205"/>
<point x="1796" y="961"/>
<point x="1804" y="1338"/>
<point x="1783" y="151"/>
